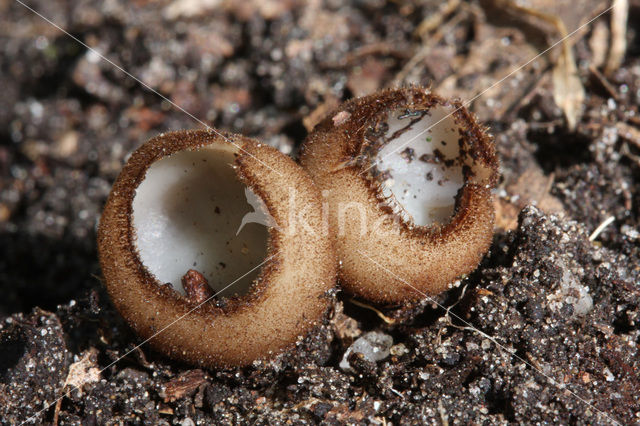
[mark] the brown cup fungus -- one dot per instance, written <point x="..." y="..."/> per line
<point x="408" y="177"/>
<point x="180" y="248"/>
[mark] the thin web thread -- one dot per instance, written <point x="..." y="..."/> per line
<point x="501" y="346"/>
<point x="468" y="102"/>
<point x="153" y="336"/>
<point x="145" y="85"/>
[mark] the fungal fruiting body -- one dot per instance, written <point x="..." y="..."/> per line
<point x="407" y="176"/>
<point x="177" y="250"/>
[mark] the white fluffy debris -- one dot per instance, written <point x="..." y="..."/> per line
<point x="374" y="346"/>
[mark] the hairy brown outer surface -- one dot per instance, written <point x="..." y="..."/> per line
<point x="426" y="258"/>
<point x="287" y="297"/>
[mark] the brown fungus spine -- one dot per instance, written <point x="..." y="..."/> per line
<point x="174" y="218"/>
<point x="407" y="177"/>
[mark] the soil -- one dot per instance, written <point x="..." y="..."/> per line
<point x="546" y="330"/>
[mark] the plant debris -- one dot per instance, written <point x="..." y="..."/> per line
<point x="272" y="70"/>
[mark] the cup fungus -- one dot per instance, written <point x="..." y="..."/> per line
<point x="167" y="243"/>
<point x="408" y="178"/>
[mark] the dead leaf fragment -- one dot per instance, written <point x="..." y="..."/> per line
<point x="568" y="92"/>
<point x="345" y="327"/>
<point x="531" y="188"/>
<point x="564" y="10"/>
<point x="83" y="371"/>
<point x="506" y="214"/>
<point x="599" y="43"/>
<point x="619" y="17"/>
<point x="183" y="385"/>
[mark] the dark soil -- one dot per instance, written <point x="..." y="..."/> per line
<point x="546" y="330"/>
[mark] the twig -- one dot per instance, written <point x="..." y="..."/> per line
<point x="434" y="20"/>
<point x="604" y="82"/>
<point x="629" y="133"/>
